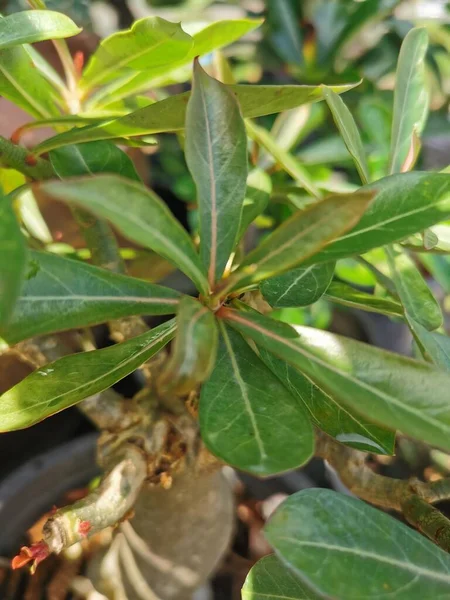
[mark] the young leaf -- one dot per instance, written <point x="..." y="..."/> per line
<point x="136" y="212"/>
<point x="301" y="236"/>
<point x="12" y="259"/>
<point x="345" y="294"/>
<point x="270" y="579"/>
<point x="194" y="352"/>
<point x="345" y="425"/>
<point x="91" y="158"/>
<point x="349" y="131"/>
<point x="257" y="196"/>
<point x="416" y="297"/>
<point x="23" y="84"/>
<point x="404" y="204"/>
<point x="61" y="293"/>
<point x="169" y="114"/>
<point x="386" y="388"/>
<point x="29" y="26"/>
<point x="216" y="154"/>
<point x="151" y="42"/>
<point x="247" y="417"/>
<point x="321" y="534"/>
<point x="410" y="97"/>
<point x="68" y="380"/>
<point x="210" y="38"/>
<point x="299" y="287"/>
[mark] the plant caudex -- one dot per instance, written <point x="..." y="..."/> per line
<point x="241" y="388"/>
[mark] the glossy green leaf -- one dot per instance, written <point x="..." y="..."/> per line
<point x="68" y="380"/>
<point x="322" y="535"/>
<point x="386" y="388"/>
<point x="29" y="26"/>
<point x="151" y="42"/>
<point x="194" y="351"/>
<point x="335" y="419"/>
<point x="169" y="114"/>
<point x="136" y="212"/>
<point x="345" y="294"/>
<point x="212" y="37"/>
<point x="410" y="97"/>
<point x="434" y="346"/>
<point x="415" y="295"/>
<point x="301" y="236"/>
<point x="23" y="84"/>
<point x="91" y="158"/>
<point x="61" y="293"/>
<point x="216" y="154"/>
<point x="299" y="287"/>
<point x="247" y="417"/>
<point x="12" y="259"/>
<point x="270" y="579"/>
<point x="404" y="204"/>
<point x="349" y="132"/>
<point x="257" y="196"/>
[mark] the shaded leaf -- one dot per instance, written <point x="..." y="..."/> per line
<point x="301" y="236"/>
<point x="345" y="294"/>
<point x="12" y="259"/>
<point x="91" y="158"/>
<point x="332" y="417"/>
<point x="257" y="196"/>
<point x="216" y="154"/>
<point x="136" y="212"/>
<point x="151" y="42"/>
<point x="404" y="204"/>
<point x="434" y="346"/>
<point x="194" y="351"/>
<point x="247" y="417"/>
<point x="169" y="114"/>
<point x="284" y="31"/>
<point x="386" y="388"/>
<point x="68" y="380"/>
<point x="381" y="557"/>
<point x="349" y="132"/>
<point x="61" y="293"/>
<point x="415" y="295"/>
<point x="299" y="287"/>
<point x="410" y="97"/>
<point x="270" y="579"/>
<point x="29" y="26"/>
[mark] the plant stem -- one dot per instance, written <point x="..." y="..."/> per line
<point x="428" y="520"/>
<point x="16" y="157"/>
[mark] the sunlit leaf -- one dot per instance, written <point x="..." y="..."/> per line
<point x="29" y="26"/>
<point x="346" y="295"/>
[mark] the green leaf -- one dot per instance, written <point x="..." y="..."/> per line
<point x="195" y="348"/>
<point x="210" y="38"/>
<point x="29" y="26"/>
<point x="344" y="294"/>
<point x="301" y="236"/>
<point x="151" y="42"/>
<point x="257" y="196"/>
<point x="410" y="97"/>
<point x="349" y="132"/>
<point x="68" y="380"/>
<point x="415" y="295"/>
<point x="434" y="346"/>
<point x="284" y="31"/>
<point x="247" y="417"/>
<point x="216" y="154"/>
<point x="91" y="158"/>
<point x="61" y="293"/>
<point x="404" y="204"/>
<point x="270" y="579"/>
<point x="322" y="535"/>
<point x="23" y="84"/>
<point x="441" y="244"/>
<point x="12" y="259"/>
<point x="332" y="417"/>
<point x="288" y="162"/>
<point x="299" y="287"/>
<point x="136" y="212"/>
<point x="386" y="388"/>
<point x="169" y="114"/>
